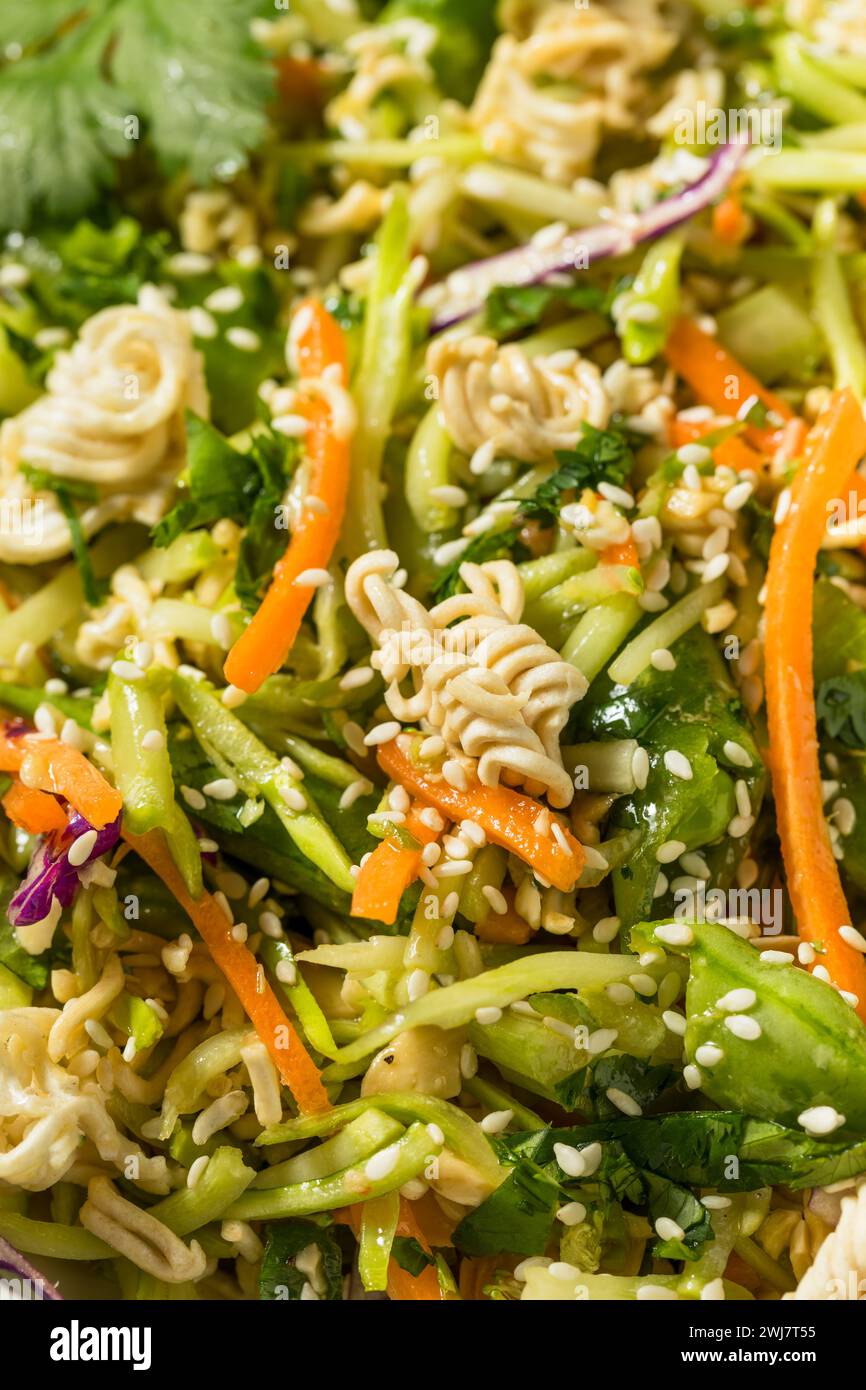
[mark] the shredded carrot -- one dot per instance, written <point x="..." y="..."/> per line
<point x="404" y="1287"/>
<point x="244" y="975"/>
<point x="792" y="440"/>
<point x="388" y="872"/>
<point x="504" y="928"/>
<point x="507" y="817"/>
<point x="52" y="766"/>
<point x="624" y="554"/>
<point x="263" y="647"/>
<point x="731" y="453"/>
<point x="833" y="449"/>
<point x="731" y="223"/>
<point x="720" y="381"/>
<point x="32" y="810"/>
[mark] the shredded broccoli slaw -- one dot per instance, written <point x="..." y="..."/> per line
<point x="432" y="650"/>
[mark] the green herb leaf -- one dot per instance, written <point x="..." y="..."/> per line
<point x="601" y="456"/>
<point x="841" y="706"/>
<point x="280" y="1278"/>
<point x="221" y="483"/>
<point x="668" y="1199"/>
<point x="510" y="308"/>
<point x="410" y="1255"/>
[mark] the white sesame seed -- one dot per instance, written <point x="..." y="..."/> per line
<point x="382" y="733"/>
<point x="417" y="985"/>
<point x="127" y="671"/>
<point x="716" y="567"/>
<point x="559" y="837"/>
<point x="777" y="957"/>
<point x="225" y="300"/>
<point x="735" y="753"/>
<point x="487" y="1015"/>
<point x="669" y="851"/>
<point x="572" y="1214"/>
<point x="820" y="1120"/>
<point x="663" y="660"/>
<point x="286" y="972"/>
<point x="294" y="799"/>
<point x="244" y="339"/>
<point x="455" y="774"/>
<point x="738" y="496"/>
<point x="640" y="766"/>
<point x="708" y="1055"/>
<point x="805" y="953"/>
<point x="497" y="1121"/>
<point x="739" y="826"/>
<point x="153" y="741"/>
<point x="820" y="972"/>
<point x="674" y="1022"/>
<point x="496" y="899"/>
<point x="656" y="1293"/>
<point x="193" y="798"/>
<point x="449" y="495"/>
<point x="606" y="929"/>
<point x="600" y="1040"/>
<point x="643" y="984"/>
<point x="744" y="1027"/>
<point x="382" y="1164"/>
<point x="692" y="1077"/>
<point x="355" y="679"/>
<point x="449" y="552"/>
<point x="239" y="932"/>
<point x="578" y="1163"/>
<point x="678" y="765"/>
<point x="619" y="993"/>
<point x="668" y="1229"/>
<point x="270" y="924"/>
<point x="715" y="1202"/>
<point x="737" y="1001"/>
<point x="675" y="934"/>
<point x="312" y="579"/>
<point x="221" y="789"/>
<point x="853" y="938"/>
<point x="453" y="868"/>
<point x="360" y="787"/>
<point x="233" y="696"/>
<point x="694" y="454"/>
<point x="203" y="324"/>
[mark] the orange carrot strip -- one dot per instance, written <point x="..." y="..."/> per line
<point x="731" y="223"/>
<point x="404" y="1287"/>
<point x="731" y="453"/>
<point x="243" y="973"/>
<point x="264" y="645"/>
<point x="624" y="554"/>
<point x="504" y="928"/>
<point x="32" y="810"/>
<point x="507" y="817"/>
<point x="719" y="380"/>
<point x="388" y="872"/>
<point x="52" y="766"/>
<point x="834" y="447"/>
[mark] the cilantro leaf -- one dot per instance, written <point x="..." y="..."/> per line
<point x="71" y="108"/>
<point x="280" y="1278"/>
<point x="490" y="545"/>
<point x="509" y="308"/>
<point x="517" y="1217"/>
<point x="220" y="483"/>
<point x="601" y="456"/>
<point x="410" y="1254"/>
<point x="841" y="706"/>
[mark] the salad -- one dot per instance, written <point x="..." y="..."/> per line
<point x="433" y="649"/>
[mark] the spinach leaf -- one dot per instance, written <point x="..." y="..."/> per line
<point x="280" y="1277"/>
<point x="220" y="483"/>
<point x="517" y="1217"/>
<point x="841" y="707"/>
<point x="410" y="1254"/>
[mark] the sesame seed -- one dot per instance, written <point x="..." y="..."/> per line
<point x="239" y="932"/>
<point x="449" y="495"/>
<point x="656" y="1293"/>
<point x="221" y="789"/>
<point x="455" y="774"/>
<point x="643" y="984"/>
<point x="715" y="1202"/>
<point x="738" y="496"/>
<point x="286" y="972"/>
<point x="572" y="1214"/>
<point x="360" y="787"/>
<point x="382" y="733"/>
<point x="852" y="937"/>
<point x="668" y="1229"/>
<point x="127" y="671"/>
<point x="193" y="798"/>
<point x="453" y="868"/>
<point x="203" y="324"/>
<point x="693" y="454"/>
<point x="445" y="938"/>
<point x="640" y="767"/>
<point x="739" y="826"/>
<point x="692" y="1077"/>
<point x="487" y="1015"/>
<point x="820" y="972"/>
<point x="663" y="660"/>
<point x="449" y="552"/>
<point x="661" y="886"/>
<point x="606" y="929"/>
<point x="224" y="300"/>
<point x="777" y="957"/>
<point x="675" y="934"/>
<point x="497" y="1121"/>
<point x="468" y="1061"/>
<point x="295" y="800"/>
<point x="674" y="1022"/>
<point x="417" y="985"/>
<point x="233" y="696"/>
<point x="431" y="854"/>
<point x="716" y="567"/>
<point x="382" y="1164"/>
<point x="669" y="851"/>
<point x="805" y="953"/>
<point x="559" y="837"/>
<point x="496" y="899"/>
<point x="619" y="993"/>
<point x="153" y="741"/>
<point x="820" y="1120"/>
<point x="312" y="579"/>
<point x="736" y="754"/>
<point x="708" y="1055"/>
<point x="748" y="1029"/>
<point x="601" y="1040"/>
<point x="737" y="1001"/>
<point x="578" y="1163"/>
<point x="293" y="427"/>
<point x="244" y="339"/>
<point x="81" y="849"/>
<point x="355" y="679"/>
<point x="678" y="765"/>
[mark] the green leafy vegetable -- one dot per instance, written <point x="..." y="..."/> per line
<point x="668" y="1199"/>
<point x="264" y="543"/>
<point x="517" y="1217"/>
<point x="642" y="1081"/>
<point x="841" y="705"/>
<point x="65" y="490"/>
<point x="601" y="456"/>
<point x="280" y="1277"/>
<point x="73" y="105"/>
<point x="410" y="1254"/>
<point x="509" y="308"/>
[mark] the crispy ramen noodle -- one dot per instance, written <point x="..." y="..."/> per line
<point x="526" y="408"/>
<point x="841" y="1260"/>
<point x="488" y="684"/>
<point x="112" y="417"/>
<point x="139" y="1236"/>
